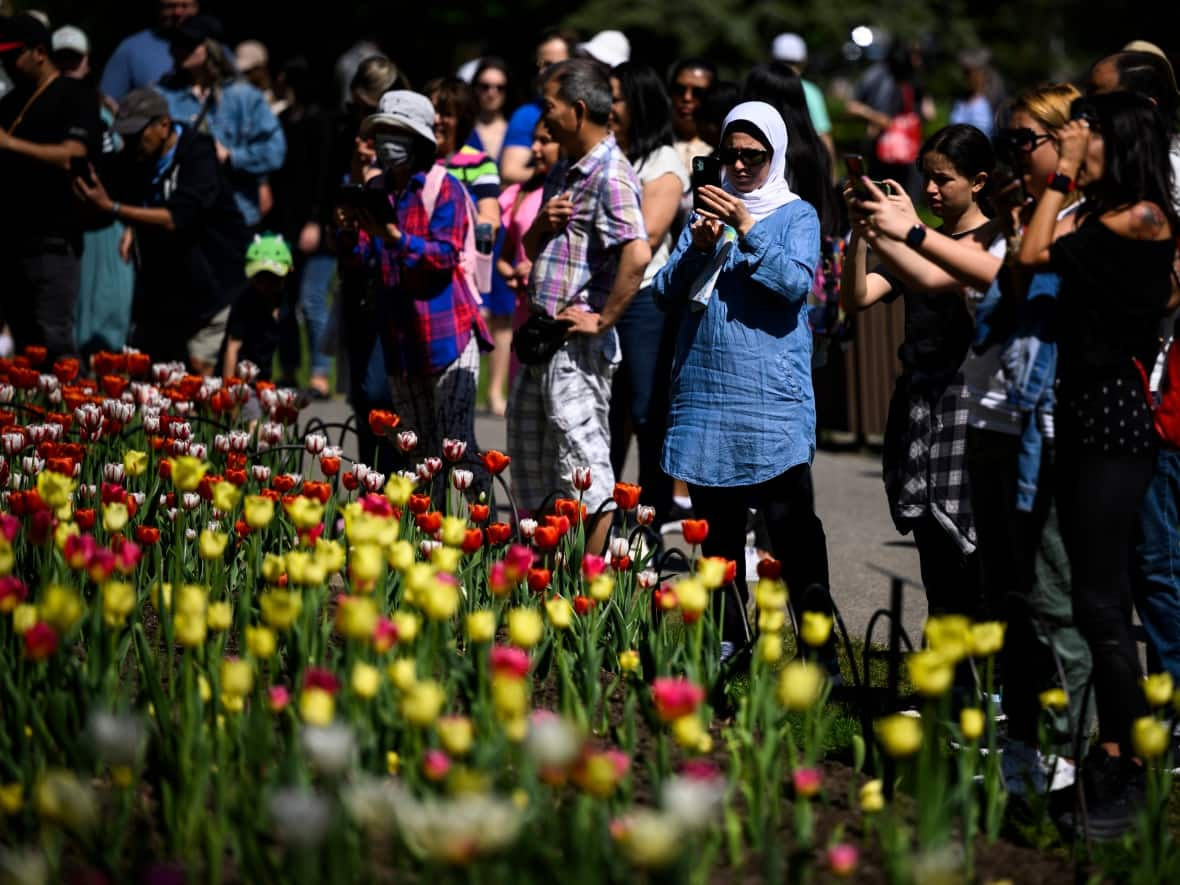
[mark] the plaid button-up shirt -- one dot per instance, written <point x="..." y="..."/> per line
<point x="432" y="313"/>
<point x="577" y="265"/>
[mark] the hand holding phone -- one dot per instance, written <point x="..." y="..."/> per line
<point x="705" y="170"/>
<point x="855" y="164"/>
<point x="80" y="168"/>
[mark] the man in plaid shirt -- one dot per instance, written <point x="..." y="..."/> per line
<point x="589" y="249"/>
<point x="434" y="328"/>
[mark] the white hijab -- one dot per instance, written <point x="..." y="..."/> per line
<point x="775" y="193"/>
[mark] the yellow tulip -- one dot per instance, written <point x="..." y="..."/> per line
<point x="260" y="642"/>
<point x="510" y="697"/>
<point x="61" y="534"/>
<point x="456" y="734"/>
<point x="220" y="616"/>
<point x="987" y="638"/>
<point x="481" y="626"/>
<point x="799" y="685"/>
<point x="687" y="730"/>
<point x="1150" y="737"/>
<point x="872" y="796"/>
<point x="211" y="545"/>
<point x="187" y="473"/>
<point x="770" y="595"/>
<point x="711" y="571"/>
<point x="772" y="621"/>
<point x="204" y="689"/>
<point x="770" y="648"/>
<point x="280" y="608"/>
<point x="446" y="559"/>
<point x="601" y="588"/>
<point x="365" y="680"/>
<point x="8" y="557"/>
<point x="901" y="736"/>
<point x="393" y="762"/>
<point x="114" y="517"/>
<point x="403" y="673"/>
<point x="258" y="511"/>
<point x="118" y="601"/>
<point x="422" y="703"/>
<point x="815" y="628"/>
<point x="356" y="617"/>
<point x="1054" y="699"/>
<point x="304" y="569"/>
<point x="12" y="798"/>
<point x="560" y="612"/>
<point x="330" y="554"/>
<point x="135" y="463"/>
<point x="525" y="627"/>
<point x="692" y="595"/>
<point x="440" y="601"/>
<point x="398" y="490"/>
<point x="317" y="706"/>
<point x="226" y="496"/>
<point x="1158" y="688"/>
<point x="24" y="617"/>
<point x="55" y="489"/>
<point x="950" y="635"/>
<point x="454" y="530"/>
<point x="419" y="581"/>
<point x="190" y="629"/>
<point x="237" y="676"/>
<point x="931" y="673"/>
<point x="273" y="567"/>
<point x="305" y="513"/>
<point x="61" y="607"/>
<point x="629" y="660"/>
<point x="401" y="556"/>
<point x="971" y="723"/>
<point x="407" y="624"/>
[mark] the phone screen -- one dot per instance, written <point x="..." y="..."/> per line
<point x="705" y="170"/>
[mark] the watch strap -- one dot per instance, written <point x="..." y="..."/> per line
<point x="1061" y="183"/>
<point x="916" y="236"/>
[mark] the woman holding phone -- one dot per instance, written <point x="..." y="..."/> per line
<point x="741" y="425"/>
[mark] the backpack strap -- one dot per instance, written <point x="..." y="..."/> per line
<point x="430" y="190"/>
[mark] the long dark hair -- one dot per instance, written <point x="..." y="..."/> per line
<point x="809" y="166"/>
<point x="649" y="109"/>
<point x="1136" y="166"/>
<point x="969" y="151"/>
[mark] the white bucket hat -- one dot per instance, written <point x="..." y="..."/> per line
<point x="403" y="109"/>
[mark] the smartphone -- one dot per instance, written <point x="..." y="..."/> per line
<point x="705" y="170"/>
<point x="370" y="199"/>
<point x="855" y="164"/>
<point x="80" y="168"/>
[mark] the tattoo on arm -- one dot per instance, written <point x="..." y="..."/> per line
<point x="1149" y="216"/>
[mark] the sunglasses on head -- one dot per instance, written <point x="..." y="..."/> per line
<point x="750" y="157"/>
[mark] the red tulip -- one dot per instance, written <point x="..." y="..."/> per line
<point x="494" y="462"/>
<point x="539" y="579"/>
<point x="546" y="537"/>
<point x="383" y="422"/>
<point x="770" y="568"/>
<point x="675" y="697"/>
<point x="499" y="533"/>
<point x="626" y="495"/>
<point x="694" y="530"/>
<point x="40" y="641"/>
<point x="479" y="512"/>
<point x="472" y="540"/>
<point x="419" y="504"/>
<point x="429" y="522"/>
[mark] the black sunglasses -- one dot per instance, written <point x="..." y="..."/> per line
<point x="750" y="157"/>
<point x="491" y="87"/>
<point x="684" y="90"/>
<point x="1023" y="139"/>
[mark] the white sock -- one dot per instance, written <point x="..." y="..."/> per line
<point x="682" y="501"/>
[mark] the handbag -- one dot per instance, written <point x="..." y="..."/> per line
<point x="902" y="139"/>
<point x="539" y="339"/>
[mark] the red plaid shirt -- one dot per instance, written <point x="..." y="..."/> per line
<point x="432" y="313"/>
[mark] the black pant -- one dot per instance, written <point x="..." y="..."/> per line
<point x="797" y="538"/>
<point x="1098" y="501"/>
<point x="950" y="576"/>
<point x="41" y="293"/>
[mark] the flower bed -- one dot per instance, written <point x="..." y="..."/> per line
<point x="224" y="655"/>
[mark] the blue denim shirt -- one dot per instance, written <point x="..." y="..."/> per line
<point x="742" y="405"/>
<point x="243" y="122"/>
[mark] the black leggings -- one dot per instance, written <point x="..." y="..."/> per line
<point x="1098" y="501"/>
<point x="797" y="539"/>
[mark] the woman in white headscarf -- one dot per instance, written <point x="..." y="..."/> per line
<point x="742" y="417"/>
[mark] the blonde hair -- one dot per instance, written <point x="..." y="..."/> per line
<point x="1048" y="105"/>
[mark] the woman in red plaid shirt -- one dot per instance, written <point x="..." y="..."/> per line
<point x="434" y="329"/>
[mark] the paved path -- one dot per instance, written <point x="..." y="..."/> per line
<point x="851" y="501"/>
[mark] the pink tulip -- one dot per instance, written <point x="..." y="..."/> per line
<point x="842" y="859"/>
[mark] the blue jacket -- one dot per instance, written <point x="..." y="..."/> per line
<point x="1029" y="358"/>
<point x="242" y="121"/>
<point x="742" y="407"/>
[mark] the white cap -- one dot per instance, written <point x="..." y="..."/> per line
<point x="789" y="48"/>
<point x="467" y="70"/>
<point x="70" y="39"/>
<point x="609" y="47"/>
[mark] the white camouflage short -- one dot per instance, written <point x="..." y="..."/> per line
<point x="558" y="419"/>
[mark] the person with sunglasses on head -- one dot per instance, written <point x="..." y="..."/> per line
<point x="1116" y="261"/>
<point x="1156" y="579"/>
<point x="741" y="425"/>
<point x="688" y="83"/>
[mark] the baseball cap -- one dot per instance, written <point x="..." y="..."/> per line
<point x="138" y="108"/>
<point x="70" y="39"/>
<point x="270" y="253"/>
<point x="249" y="55"/>
<point x="22" y="31"/>
<point x="194" y="30"/>
<point x="403" y="109"/>
<point x="790" y="48"/>
<point x="609" y="47"/>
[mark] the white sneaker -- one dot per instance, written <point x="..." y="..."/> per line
<point x="1024" y="767"/>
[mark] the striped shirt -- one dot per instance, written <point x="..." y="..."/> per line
<point x="577" y="265"/>
<point x="477" y="171"/>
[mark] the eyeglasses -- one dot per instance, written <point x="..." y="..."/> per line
<point x="750" y="157"/>
<point x="1023" y="140"/>
<point x="684" y="90"/>
<point x="491" y="87"/>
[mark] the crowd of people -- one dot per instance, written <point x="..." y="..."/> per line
<point x="641" y="256"/>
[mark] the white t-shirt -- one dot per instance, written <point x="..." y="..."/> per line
<point x="662" y="161"/>
<point x="983" y="375"/>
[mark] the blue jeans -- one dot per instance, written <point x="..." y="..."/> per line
<point x="1157" y="563"/>
<point x="313" y="298"/>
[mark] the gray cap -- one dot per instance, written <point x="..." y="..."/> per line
<point x="403" y="109"/>
<point x="138" y="108"/>
<point x="70" y="39"/>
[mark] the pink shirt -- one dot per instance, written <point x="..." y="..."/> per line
<point x="516" y="220"/>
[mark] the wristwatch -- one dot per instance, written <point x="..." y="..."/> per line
<point x="1061" y="183"/>
<point x="916" y="236"/>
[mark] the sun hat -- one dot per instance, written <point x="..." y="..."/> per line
<point x="402" y="109"/>
<point x="609" y="47"/>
